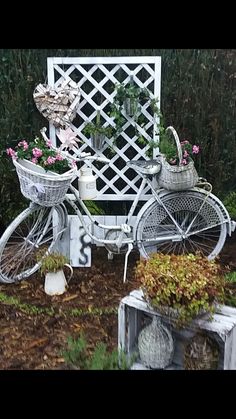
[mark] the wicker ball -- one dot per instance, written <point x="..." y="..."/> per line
<point x="156" y="345"/>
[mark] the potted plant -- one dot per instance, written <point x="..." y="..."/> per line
<point x="178" y="171"/>
<point x="52" y="266"/>
<point x="39" y="155"/>
<point x="98" y="132"/>
<point x="181" y="286"/>
<point x="128" y="102"/>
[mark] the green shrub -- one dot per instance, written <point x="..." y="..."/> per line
<point x="77" y="356"/>
<point x="188" y="284"/>
<point x="53" y="262"/>
<point x="230" y="204"/>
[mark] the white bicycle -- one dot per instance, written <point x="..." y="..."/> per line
<point x="169" y="222"/>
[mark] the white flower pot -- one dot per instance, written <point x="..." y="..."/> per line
<point x="55" y="282"/>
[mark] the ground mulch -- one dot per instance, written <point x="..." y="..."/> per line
<point x="34" y="327"/>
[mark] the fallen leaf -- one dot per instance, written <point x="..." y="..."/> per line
<point x="60" y="360"/>
<point x="36" y="342"/>
<point x="71" y="297"/>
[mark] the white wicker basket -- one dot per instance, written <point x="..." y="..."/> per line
<point x="177" y="178"/>
<point x="44" y="188"/>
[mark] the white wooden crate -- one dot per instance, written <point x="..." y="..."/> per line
<point x="134" y="314"/>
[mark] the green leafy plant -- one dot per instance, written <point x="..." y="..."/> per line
<point x="230" y="288"/>
<point x="97" y="128"/>
<point x="168" y="148"/>
<point x="230" y="277"/>
<point x="77" y="356"/>
<point x="53" y="262"/>
<point x="137" y="97"/>
<point x="189" y="284"/>
<point x="230" y="204"/>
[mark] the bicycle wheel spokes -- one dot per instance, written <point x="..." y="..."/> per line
<point x="34" y="230"/>
<point x="201" y="220"/>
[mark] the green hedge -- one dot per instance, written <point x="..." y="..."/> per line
<point x="197" y="98"/>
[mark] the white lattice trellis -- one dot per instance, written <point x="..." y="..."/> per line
<point x="96" y="78"/>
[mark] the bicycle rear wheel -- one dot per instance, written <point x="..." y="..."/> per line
<point x="201" y="218"/>
<point x="33" y="232"/>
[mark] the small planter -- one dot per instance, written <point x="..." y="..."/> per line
<point x="97" y="140"/>
<point x="131" y="106"/>
<point x="55" y="282"/>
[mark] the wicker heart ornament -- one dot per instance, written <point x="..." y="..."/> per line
<point x="58" y="104"/>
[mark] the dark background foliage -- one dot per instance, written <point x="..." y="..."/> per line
<point x="197" y="97"/>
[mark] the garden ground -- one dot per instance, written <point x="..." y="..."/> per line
<point x="34" y="327"/>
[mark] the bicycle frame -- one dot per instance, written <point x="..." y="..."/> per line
<point x="170" y="221"/>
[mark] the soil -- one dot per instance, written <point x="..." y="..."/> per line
<point x="35" y="327"/>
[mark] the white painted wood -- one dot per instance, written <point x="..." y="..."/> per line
<point x="104" y="60"/>
<point x="222" y="328"/>
<point x="146" y="72"/>
<point x="71" y="244"/>
<point x="80" y="250"/>
<point x="63" y="244"/>
<point x="114" y="179"/>
<point x="121" y="329"/>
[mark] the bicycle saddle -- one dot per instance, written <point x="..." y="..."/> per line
<point x="147" y="167"/>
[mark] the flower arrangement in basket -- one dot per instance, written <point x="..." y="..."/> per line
<point x="44" y="173"/>
<point x="178" y="171"/>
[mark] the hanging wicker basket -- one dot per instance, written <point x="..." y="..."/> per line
<point x="177" y="178"/>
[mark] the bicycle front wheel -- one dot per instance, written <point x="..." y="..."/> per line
<point x="202" y="221"/>
<point x="27" y="239"/>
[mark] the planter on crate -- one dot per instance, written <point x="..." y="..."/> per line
<point x="134" y="312"/>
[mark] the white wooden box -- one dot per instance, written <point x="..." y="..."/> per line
<point x="134" y="314"/>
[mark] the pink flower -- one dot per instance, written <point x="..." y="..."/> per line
<point x="37" y="152"/>
<point x="11" y="153"/>
<point x="184" y="161"/>
<point x="196" y="149"/>
<point x="49" y="143"/>
<point x="34" y="160"/>
<point x="24" y="144"/>
<point x="186" y="154"/>
<point x="59" y="157"/>
<point x="50" y="160"/>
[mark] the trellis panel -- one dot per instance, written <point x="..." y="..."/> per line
<point x="96" y="78"/>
